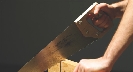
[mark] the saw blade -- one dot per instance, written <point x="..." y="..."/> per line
<point x="75" y="37"/>
<point x="64" y="45"/>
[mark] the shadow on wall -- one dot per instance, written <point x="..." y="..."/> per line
<point x="9" y="67"/>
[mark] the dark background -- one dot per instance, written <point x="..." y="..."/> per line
<point x="27" y="26"/>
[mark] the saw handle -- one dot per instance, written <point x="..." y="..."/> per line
<point x="101" y="13"/>
<point x="110" y="23"/>
<point x="87" y="28"/>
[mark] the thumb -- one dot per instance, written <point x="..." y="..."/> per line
<point x="98" y="7"/>
<point x="96" y="10"/>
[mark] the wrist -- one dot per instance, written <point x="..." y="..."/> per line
<point x="110" y="11"/>
<point x="109" y="61"/>
<point x="119" y="8"/>
<point x="114" y="11"/>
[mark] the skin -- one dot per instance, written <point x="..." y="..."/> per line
<point x="120" y="41"/>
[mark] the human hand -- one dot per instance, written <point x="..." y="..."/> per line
<point x="93" y="65"/>
<point x="103" y="15"/>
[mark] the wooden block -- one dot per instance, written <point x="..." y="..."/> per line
<point x="68" y="66"/>
<point x="63" y="66"/>
<point x="55" y="68"/>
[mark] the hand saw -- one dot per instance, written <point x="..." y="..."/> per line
<point x="75" y="37"/>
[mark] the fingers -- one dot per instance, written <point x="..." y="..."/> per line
<point x="76" y="68"/>
<point x="108" y="9"/>
<point x="81" y="69"/>
<point x="108" y="23"/>
<point x="100" y="20"/>
<point x="99" y="7"/>
<point x="93" y="65"/>
<point x="100" y="17"/>
<point x="103" y="24"/>
<point x="90" y="16"/>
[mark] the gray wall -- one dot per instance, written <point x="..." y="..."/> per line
<point x="28" y="26"/>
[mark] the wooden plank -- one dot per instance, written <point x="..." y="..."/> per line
<point x="68" y="66"/>
<point x="63" y="66"/>
<point x="55" y="68"/>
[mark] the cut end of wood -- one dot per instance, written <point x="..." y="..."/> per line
<point x="64" y="66"/>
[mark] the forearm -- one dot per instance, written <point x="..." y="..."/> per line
<point x="123" y="36"/>
<point x="119" y="8"/>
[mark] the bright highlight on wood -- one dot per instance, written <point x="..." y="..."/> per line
<point x="63" y="66"/>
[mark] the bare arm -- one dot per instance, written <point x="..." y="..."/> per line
<point x="123" y="36"/>
<point x="120" y="41"/>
